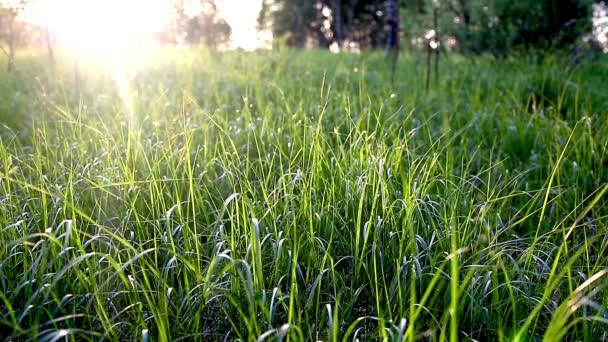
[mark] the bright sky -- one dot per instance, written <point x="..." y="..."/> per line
<point x="109" y="30"/>
<point x="242" y="17"/>
<point x="102" y="24"/>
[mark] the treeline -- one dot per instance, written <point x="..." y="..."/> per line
<point x="188" y="23"/>
<point x="497" y="27"/>
<point x="202" y="26"/>
<point x="468" y="26"/>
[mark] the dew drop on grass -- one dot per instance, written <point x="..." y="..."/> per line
<point x="131" y="280"/>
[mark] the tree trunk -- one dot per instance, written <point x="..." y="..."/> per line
<point x="11" y="42"/>
<point x="300" y="31"/>
<point x="49" y="46"/>
<point x="465" y="12"/>
<point x="349" y="22"/>
<point x="337" y="4"/>
<point x="392" y="43"/>
<point x="392" y="23"/>
<point x="437" y="47"/>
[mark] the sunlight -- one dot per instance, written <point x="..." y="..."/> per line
<point x="100" y="26"/>
<point x="242" y="17"/>
<point x="109" y="32"/>
<point x="103" y="27"/>
<point x="116" y="33"/>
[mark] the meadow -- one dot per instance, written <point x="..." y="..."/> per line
<point x="301" y="196"/>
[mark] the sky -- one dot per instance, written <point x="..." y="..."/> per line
<point x="242" y="16"/>
<point x="82" y="22"/>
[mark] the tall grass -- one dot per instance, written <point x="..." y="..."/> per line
<point x="300" y="196"/>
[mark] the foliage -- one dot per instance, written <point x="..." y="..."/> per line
<point x="545" y="24"/>
<point x="478" y="26"/>
<point x="501" y="26"/>
<point x="10" y="29"/>
<point x="206" y="28"/>
<point x="203" y="26"/>
<point x="276" y="195"/>
<point x="294" y="19"/>
<point x="307" y="22"/>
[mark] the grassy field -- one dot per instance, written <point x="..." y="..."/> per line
<point x="300" y="196"/>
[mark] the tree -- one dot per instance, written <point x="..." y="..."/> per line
<point x="337" y="6"/>
<point x="548" y="24"/>
<point x="198" y="22"/>
<point x="48" y="40"/>
<point x="291" y="20"/>
<point x="392" y="23"/>
<point x="324" y="21"/>
<point x="367" y="23"/>
<point x="543" y="25"/>
<point x="471" y="26"/>
<point x="502" y="26"/>
<point x="392" y="41"/>
<point x="10" y="30"/>
<point x="207" y="28"/>
<point x="8" y="14"/>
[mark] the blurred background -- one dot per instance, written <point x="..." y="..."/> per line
<point x="494" y="27"/>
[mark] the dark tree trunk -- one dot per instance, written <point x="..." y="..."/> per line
<point x="300" y="31"/>
<point x="433" y="46"/>
<point x="392" y="23"/>
<point x="466" y="19"/>
<point x="437" y="47"/>
<point x="392" y="42"/>
<point x="350" y="20"/>
<point x="337" y="4"/>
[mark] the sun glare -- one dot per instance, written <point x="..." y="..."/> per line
<point x="100" y="26"/>
<point x="114" y="32"/>
<point x="108" y="32"/>
<point x="242" y="16"/>
<point x="107" y="26"/>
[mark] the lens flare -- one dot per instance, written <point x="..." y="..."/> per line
<point x="101" y="25"/>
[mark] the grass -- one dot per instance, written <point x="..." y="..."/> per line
<point x="300" y="196"/>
